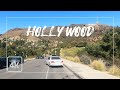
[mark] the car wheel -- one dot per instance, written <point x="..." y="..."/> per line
<point x="62" y="66"/>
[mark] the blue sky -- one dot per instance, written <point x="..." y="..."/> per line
<point x="20" y="22"/>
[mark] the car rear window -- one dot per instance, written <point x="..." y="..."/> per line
<point x="56" y="58"/>
<point x="14" y="58"/>
<point x="3" y="58"/>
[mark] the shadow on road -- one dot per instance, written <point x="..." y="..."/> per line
<point x="2" y="62"/>
<point x="56" y="66"/>
<point x="2" y="68"/>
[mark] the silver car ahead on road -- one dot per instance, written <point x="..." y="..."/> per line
<point x="54" y="61"/>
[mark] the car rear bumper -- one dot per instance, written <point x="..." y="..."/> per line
<point x="52" y="64"/>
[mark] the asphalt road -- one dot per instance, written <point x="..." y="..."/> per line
<point x="37" y="69"/>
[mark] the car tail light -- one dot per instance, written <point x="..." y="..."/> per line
<point x="52" y="62"/>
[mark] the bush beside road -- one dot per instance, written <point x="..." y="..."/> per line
<point x="72" y="54"/>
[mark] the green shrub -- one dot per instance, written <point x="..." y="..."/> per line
<point x="98" y="65"/>
<point x="72" y="51"/>
<point x="85" y="59"/>
<point x="114" y="70"/>
<point x="74" y="59"/>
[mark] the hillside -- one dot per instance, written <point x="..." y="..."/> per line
<point x="20" y="33"/>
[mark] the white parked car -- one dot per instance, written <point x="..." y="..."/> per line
<point x="54" y="61"/>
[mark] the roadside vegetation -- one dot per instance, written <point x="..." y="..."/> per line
<point x="98" y="65"/>
<point x="114" y="70"/>
<point x="72" y="53"/>
<point x="101" y="50"/>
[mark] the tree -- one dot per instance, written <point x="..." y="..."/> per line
<point x="2" y="52"/>
<point x="105" y="47"/>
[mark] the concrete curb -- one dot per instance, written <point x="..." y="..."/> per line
<point x="89" y="74"/>
<point x="78" y="76"/>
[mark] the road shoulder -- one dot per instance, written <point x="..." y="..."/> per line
<point x="87" y="72"/>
